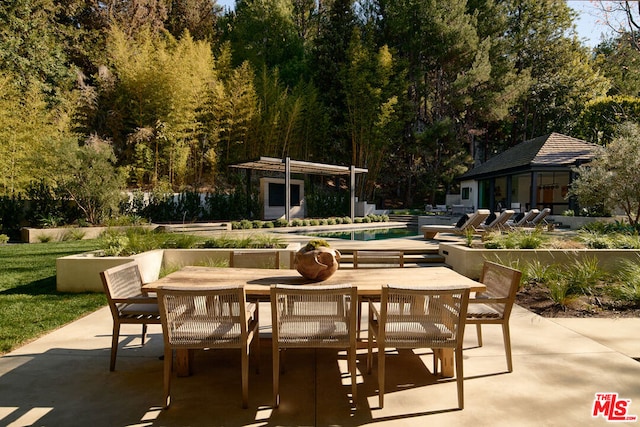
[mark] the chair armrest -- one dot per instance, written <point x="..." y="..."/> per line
<point x="487" y="300"/>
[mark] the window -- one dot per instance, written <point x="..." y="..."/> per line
<point x="466" y="191"/>
<point x="277" y="196"/>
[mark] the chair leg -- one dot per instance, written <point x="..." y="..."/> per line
<point x="369" y="351"/>
<point x="114" y="345"/>
<point x="256" y="349"/>
<point x="168" y="364"/>
<point x="352" y="368"/>
<point x="507" y="345"/>
<point x="276" y="375"/>
<point x="459" y="377"/>
<point x="144" y="332"/>
<point x="479" y="334"/>
<point x="244" y="366"/>
<point x="381" y="382"/>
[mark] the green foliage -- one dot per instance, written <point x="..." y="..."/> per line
<point x="314" y="244"/>
<point x="601" y="117"/>
<point x="610" y="239"/>
<point x="628" y="275"/>
<point x="93" y="182"/>
<point x="256" y="241"/>
<point x="73" y="234"/>
<point x="281" y="222"/>
<point x="567" y="281"/>
<point x="4" y="239"/>
<point x="234" y="205"/>
<point x="49" y="206"/>
<point x="324" y="203"/>
<point x="612" y="178"/>
<point x="618" y="61"/>
<point x="135" y="240"/>
<point x="11" y="214"/>
<point x="517" y="239"/>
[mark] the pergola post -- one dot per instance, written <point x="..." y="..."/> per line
<point x="352" y="189"/>
<point x="287" y="189"/>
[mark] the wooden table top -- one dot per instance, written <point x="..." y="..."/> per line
<point x="368" y="280"/>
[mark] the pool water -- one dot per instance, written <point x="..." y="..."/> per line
<point x="372" y="234"/>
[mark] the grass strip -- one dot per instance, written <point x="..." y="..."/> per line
<point x="30" y="305"/>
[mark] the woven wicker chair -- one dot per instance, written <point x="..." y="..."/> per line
<point x="418" y="317"/>
<point x="322" y="316"/>
<point x="494" y="305"/>
<point x="122" y="285"/>
<point x="207" y="317"/>
<point x="375" y="259"/>
<point x="255" y="259"/>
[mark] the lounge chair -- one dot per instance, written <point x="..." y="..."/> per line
<point x="521" y="221"/>
<point x="498" y="222"/>
<point x="467" y="222"/>
<point x="539" y="219"/>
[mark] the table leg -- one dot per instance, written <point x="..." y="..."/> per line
<point x="447" y="365"/>
<point x="184" y="360"/>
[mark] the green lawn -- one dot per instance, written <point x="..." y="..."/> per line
<point x="30" y="306"/>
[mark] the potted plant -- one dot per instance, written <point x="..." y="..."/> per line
<point x="317" y="260"/>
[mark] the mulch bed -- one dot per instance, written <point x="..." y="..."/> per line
<point x="535" y="298"/>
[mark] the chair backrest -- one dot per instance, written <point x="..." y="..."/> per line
<point x="122" y="282"/>
<point x="255" y="259"/>
<point x="540" y="217"/>
<point x="476" y="219"/>
<point x="502" y="284"/>
<point x="203" y="317"/>
<point x="377" y="259"/>
<point x="501" y="219"/>
<point x="314" y="315"/>
<point x="423" y="316"/>
<point x="528" y="216"/>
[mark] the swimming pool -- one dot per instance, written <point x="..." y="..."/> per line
<point x="371" y="234"/>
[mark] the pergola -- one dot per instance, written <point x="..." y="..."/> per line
<point x="288" y="166"/>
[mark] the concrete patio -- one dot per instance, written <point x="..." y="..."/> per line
<point x="62" y="379"/>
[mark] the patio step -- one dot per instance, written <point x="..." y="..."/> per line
<point x="410" y="220"/>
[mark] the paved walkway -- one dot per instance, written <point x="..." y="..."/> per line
<point x="62" y="379"/>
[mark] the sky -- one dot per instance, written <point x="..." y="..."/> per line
<point x="588" y="26"/>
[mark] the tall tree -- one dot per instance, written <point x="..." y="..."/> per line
<point x="371" y="99"/>
<point x="329" y="56"/>
<point x="264" y="33"/>
<point x="199" y="17"/>
<point x="620" y="62"/>
<point x="611" y="180"/>
<point x="31" y="48"/>
<point x="562" y="70"/>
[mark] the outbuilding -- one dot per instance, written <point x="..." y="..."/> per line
<point x="534" y="174"/>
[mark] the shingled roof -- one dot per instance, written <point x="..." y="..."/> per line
<point x="549" y="150"/>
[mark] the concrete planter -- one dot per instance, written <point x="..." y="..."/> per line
<point x="81" y="273"/>
<point x="37" y="235"/>
<point x="468" y="261"/>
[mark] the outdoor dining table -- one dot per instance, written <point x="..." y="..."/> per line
<point x="257" y="283"/>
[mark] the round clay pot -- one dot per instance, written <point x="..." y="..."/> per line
<point x="317" y="264"/>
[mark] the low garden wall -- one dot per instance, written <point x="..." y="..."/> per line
<point x="468" y="261"/>
<point x="81" y="273"/>
<point x="37" y="235"/>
